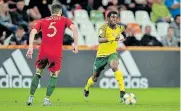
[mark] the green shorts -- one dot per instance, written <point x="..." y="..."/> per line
<point x="101" y="62"/>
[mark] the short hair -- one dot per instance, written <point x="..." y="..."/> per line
<point x="56" y="8"/>
<point x="176" y="16"/>
<point x="110" y="13"/>
<point x="20" y="1"/>
<point x="20" y="28"/>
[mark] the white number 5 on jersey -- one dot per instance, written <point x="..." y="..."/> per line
<point x="51" y="26"/>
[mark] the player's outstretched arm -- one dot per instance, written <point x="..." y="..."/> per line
<point x="75" y="36"/>
<point x="31" y="39"/>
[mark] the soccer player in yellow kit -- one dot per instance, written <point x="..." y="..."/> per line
<point x="109" y="35"/>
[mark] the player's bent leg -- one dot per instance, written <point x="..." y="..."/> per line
<point x="118" y="75"/>
<point x="50" y="87"/>
<point x="90" y="83"/>
<point x="34" y="85"/>
<point x="99" y="64"/>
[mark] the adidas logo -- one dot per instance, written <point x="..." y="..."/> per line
<point x="132" y="75"/>
<point x="15" y="72"/>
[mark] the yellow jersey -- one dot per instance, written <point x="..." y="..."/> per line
<point x="105" y="49"/>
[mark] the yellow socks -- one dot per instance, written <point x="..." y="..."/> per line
<point x="119" y="77"/>
<point x="90" y="82"/>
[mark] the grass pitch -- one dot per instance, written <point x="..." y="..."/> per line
<point x="71" y="99"/>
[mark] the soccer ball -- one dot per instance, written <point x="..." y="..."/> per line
<point x="129" y="99"/>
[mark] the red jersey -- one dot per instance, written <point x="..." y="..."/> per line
<point x="52" y="28"/>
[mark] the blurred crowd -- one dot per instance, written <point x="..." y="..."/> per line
<point x="17" y="18"/>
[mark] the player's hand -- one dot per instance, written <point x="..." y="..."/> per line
<point x="75" y="49"/>
<point x="29" y="53"/>
<point x="121" y="39"/>
<point x="117" y="38"/>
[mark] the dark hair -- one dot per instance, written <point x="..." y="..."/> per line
<point x="176" y="16"/>
<point x="20" y="1"/>
<point x="20" y="28"/>
<point x="110" y="13"/>
<point x="55" y="8"/>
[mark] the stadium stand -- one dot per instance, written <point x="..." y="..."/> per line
<point x="89" y="15"/>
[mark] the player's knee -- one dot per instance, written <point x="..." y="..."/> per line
<point x="95" y="76"/>
<point x="39" y="71"/>
<point x="54" y="74"/>
<point x="94" y="79"/>
<point x="114" y="65"/>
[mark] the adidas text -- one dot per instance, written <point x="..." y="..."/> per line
<point x="130" y="82"/>
<point x="15" y="82"/>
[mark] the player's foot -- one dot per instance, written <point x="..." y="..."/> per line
<point x="86" y="95"/>
<point x="30" y="101"/>
<point x="122" y="93"/>
<point x="46" y="102"/>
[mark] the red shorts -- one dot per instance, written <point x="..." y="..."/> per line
<point x="53" y="62"/>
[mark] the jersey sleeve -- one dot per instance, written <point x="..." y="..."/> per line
<point x="68" y="22"/>
<point x="102" y="30"/>
<point x="122" y="28"/>
<point x="37" y="25"/>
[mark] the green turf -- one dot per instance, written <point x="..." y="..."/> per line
<point x="71" y="99"/>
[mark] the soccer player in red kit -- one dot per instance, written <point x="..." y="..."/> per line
<point x="50" y="52"/>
